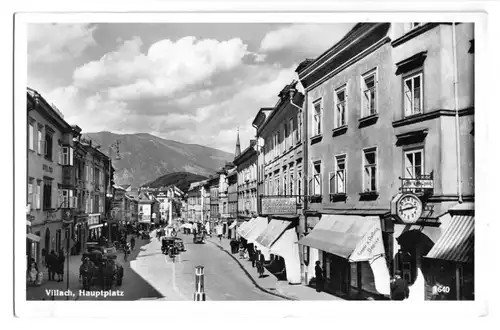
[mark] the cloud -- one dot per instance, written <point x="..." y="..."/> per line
<point x="52" y="43"/>
<point x="167" y="67"/>
<point x="308" y="39"/>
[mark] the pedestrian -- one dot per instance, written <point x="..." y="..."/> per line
<point x="319" y="276"/>
<point x="399" y="287"/>
<point x="132" y="243"/>
<point x="260" y="265"/>
<point x="44" y="257"/>
<point x="52" y="264"/>
<point x="252" y="256"/>
<point x="32" y="271"/>
<point x="60" y="266"/>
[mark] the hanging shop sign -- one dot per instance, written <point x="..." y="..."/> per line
<point x="279" y="205"/>
<point x="424" y="182"/>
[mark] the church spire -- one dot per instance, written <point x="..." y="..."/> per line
<point x="238" y="150"/>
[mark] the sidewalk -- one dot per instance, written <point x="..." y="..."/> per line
<point x="42" y="292"/>
<point x="269" y="283"/>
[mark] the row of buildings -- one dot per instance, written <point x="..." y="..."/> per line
<point x="366" y="164"/>
<point x="72" y="200"/>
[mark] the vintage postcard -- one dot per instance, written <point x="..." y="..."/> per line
<point x="211" y="157"/>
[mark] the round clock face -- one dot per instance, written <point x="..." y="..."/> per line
<point x="409" y="208"/>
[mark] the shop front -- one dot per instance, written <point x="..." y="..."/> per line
<point x="232" y="229"/>
<point x="449" y="265"/>
<point x="352" y="254"/>
<point x="33" y="246"/>
<point x="280" y="239"/>
<point x="94" y="229"/>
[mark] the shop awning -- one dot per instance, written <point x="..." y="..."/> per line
<point x="244" y="229"/>
<point x="286" y="247"/>
<point x="272" y="232"/>
<point x="355" y="238"/>
<point x="457" y="242"/>
<point x="257" y="229"/>
<point x="33" y="237"/>
<point x="233" y="224"/>
<point x="96" y="226"/>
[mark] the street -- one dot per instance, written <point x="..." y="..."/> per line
<point x="151" y="275"/>
<point x="224" y="280"/>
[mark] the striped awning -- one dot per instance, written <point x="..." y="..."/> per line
<point x="457" y="242"/>
<point x="273" y="231"/>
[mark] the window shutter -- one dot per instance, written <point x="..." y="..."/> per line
<point x="331" y="182"/>
<point x="70" y="156"/>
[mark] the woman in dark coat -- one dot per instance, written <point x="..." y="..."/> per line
<point x="60" y="266"/>
<point x="319" y="276"/>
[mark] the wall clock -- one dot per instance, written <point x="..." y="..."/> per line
<point x="409" y="208"/>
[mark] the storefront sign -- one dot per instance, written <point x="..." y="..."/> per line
<point x="420" y="183"/>
<point x="93" y="219"/>
<point x="47" y="168"/>
<point x="371" y="245"/>
<point x="279" y="205"/>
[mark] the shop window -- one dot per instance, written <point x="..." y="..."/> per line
<point x="413" y="94"/>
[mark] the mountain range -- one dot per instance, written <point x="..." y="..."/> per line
<point x="181" y="180"/>
<point x="144" y="157"/>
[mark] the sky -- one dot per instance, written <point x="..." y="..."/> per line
<point x="193" y="83"/>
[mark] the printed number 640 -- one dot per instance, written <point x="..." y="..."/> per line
<point x="440" y="289"/>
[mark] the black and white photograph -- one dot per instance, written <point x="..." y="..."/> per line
<point x="176" y="159"/>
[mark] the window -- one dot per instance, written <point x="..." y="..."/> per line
<point x="87" y="173"/>
<point x="41" y="144"/>
<point x="369" y="94"/>
<point x="316" y="178"/>
<point x="31" y="132"/>
<point x="67" y="158"/>
<point x="413" y="95"/>
<point x="299" y="183"/>
<point x="340" y="108"/>
<point x="338" y="178"/>
<point x="291" y="134"/>
<point x="370" y="170"/>
<point x="285" y="136"/>
<point x="292" y="183"/>
<point x="414" y="163"/>
<point x="47" y="194"/>
<point x="298" y="132"/>
<point x="38" y="193"/>
<point x="276" y="144"/>
<point x="30" y="192"/>
<point x="318" y="109"/>
<point x="277" y="184"/>
<point x="48" y="146"/>
<point x="285" y="182"/>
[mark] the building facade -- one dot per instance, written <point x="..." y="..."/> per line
<point x="378" y="104"/>
<point x="246" y="164"/>
<point x="49" y="154"/>
<point x="213" y="184"/>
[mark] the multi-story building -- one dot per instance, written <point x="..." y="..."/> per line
<point x="281" y="157"/>
<point x="213" y="185"/>
<point x="50" y="193"/>
<point x="246" y="164"/>
<point x="199" y="201"/>
<point x="232" y="199"/>
<point x="381" y="115"/>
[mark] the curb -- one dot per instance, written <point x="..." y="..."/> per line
<point x="249" y="275"/>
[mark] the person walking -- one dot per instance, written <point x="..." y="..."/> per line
<point x="132" y="243"/>
<point x="318" y="272"/>
<point x="260" y="264"/>
<point x="399" y="287"/>
<point x="253" y="257"/>
<point x="60" y="266"/>
<point x="52" y="264"/>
